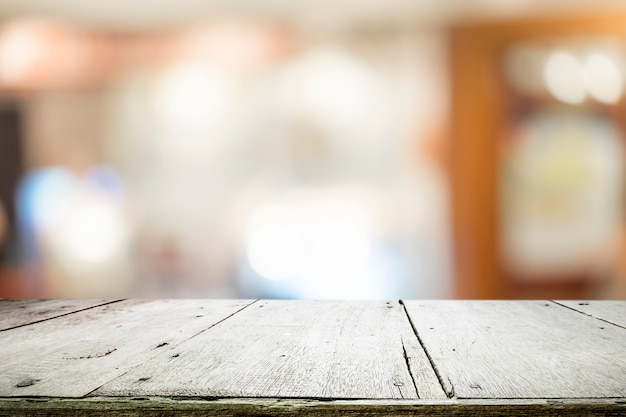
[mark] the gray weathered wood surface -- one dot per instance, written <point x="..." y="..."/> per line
<point x="75" y="354"/>
<point x="16" y="313"/>
<point x="310" y="349"/>
<point x="526" y="349"/>
<point x="611" y="311"/>
<point x="254" y="358"/>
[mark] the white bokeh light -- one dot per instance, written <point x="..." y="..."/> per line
<point x="192" y="100"/>
<point x="603" y="78"/>
<point x="94" y="233"/>
<point x="276" y="252"/>
<point x="335" y="89"/>
<point x="563" y="75"/>
<point x="339" y="248"/>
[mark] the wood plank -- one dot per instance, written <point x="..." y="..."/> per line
<point x="529" y="349"/>
<point x="158" y="407"/>
<point x="16" y="313"/>
<point x="610" y="311"/>
<point x="72" y="355"/>
<point x="305" y="349"/>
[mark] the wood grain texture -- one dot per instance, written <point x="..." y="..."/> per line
<point x="72" y="355"/>
<point x="610" y="311"/>
<point x="305" y="349"/>
<point x="16" y="313"/>
<point x="528" y="349"/>
<point x="158" y="407"/>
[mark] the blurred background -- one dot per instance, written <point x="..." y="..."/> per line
<point x="414" y="149"/>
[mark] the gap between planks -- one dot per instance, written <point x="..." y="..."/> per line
<point x="104" y="303"/>
<point x="587" y="314"/>
<point x="448" y="391"/>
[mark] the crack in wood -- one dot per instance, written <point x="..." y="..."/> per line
<point x="400" y="391"/>
<point x="449" y="393"/>
<point x="452" y="394"/>
<point x="97" y="355"/>
<point x="408" y="367"/>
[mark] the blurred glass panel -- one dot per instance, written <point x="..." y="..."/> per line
<point x="562" y="166"/>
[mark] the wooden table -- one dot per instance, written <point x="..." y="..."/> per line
<point x="264" y="358"/>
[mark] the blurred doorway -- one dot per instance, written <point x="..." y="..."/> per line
<point x="11" y="170"/>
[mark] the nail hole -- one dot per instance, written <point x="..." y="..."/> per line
<point x="26" y="383"/>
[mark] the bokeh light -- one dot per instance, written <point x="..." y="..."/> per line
<point x="603" y="78"/>
<point x="276" y="252"/>
<point x="564" y="77"/>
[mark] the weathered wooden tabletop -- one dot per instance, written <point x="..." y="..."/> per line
<point x="262" y="358"/>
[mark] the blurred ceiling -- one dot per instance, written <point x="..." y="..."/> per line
<point x="147" y="15"/>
